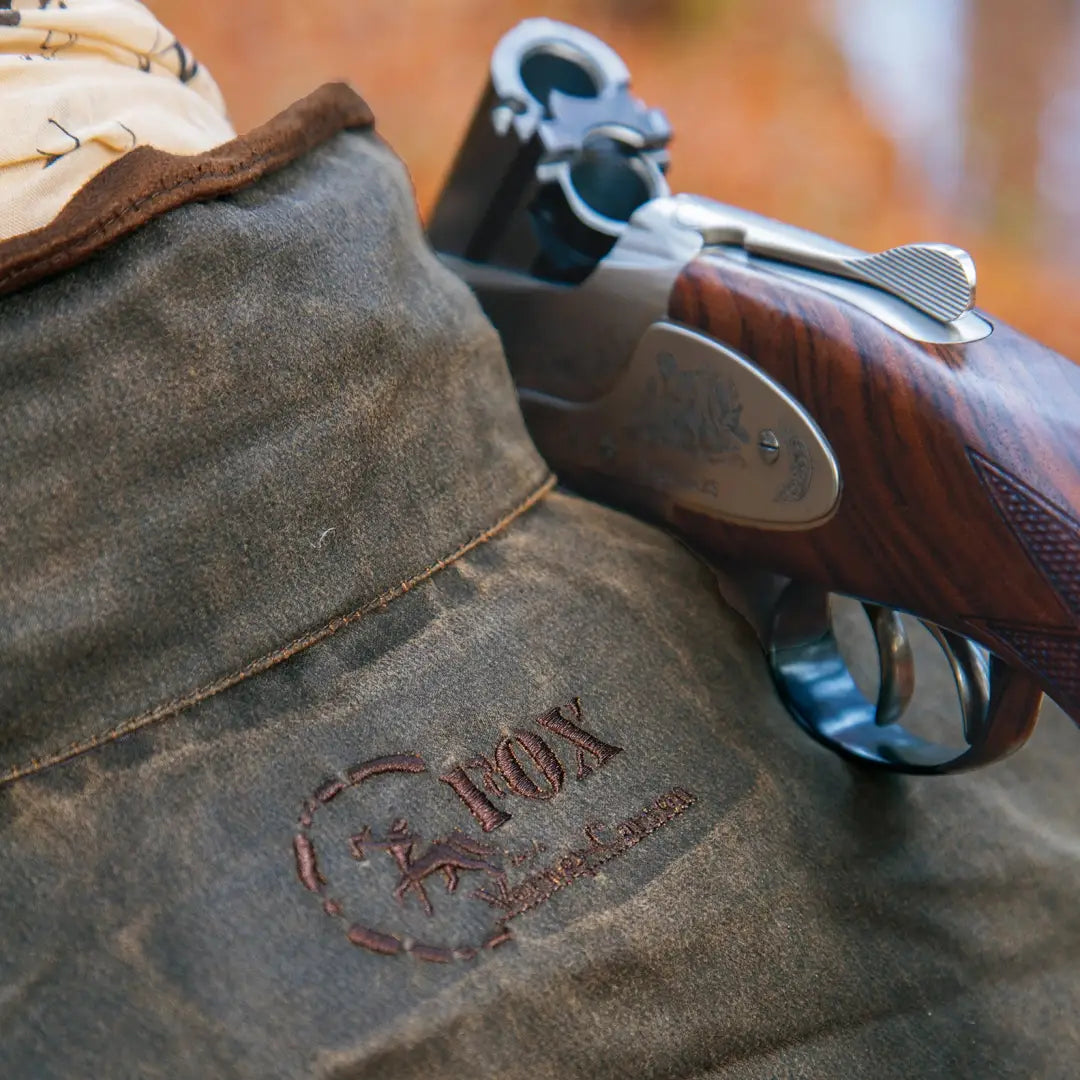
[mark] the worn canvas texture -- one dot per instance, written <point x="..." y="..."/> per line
<point x="375" y="757"/>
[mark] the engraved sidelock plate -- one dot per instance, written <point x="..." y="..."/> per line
<point x="699" y="422"/>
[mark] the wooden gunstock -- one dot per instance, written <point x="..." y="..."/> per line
<point x="960" y="466"/>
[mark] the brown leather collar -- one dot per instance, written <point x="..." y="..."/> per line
<point x="148" y="182"/>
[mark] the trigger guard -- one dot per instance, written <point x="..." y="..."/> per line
<point x="999" y="705"/>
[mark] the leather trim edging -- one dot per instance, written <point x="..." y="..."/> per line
<point x="148" y="182"/>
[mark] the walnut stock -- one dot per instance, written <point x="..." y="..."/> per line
<point x="960" y="466"/>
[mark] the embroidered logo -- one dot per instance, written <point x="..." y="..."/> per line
<point x="494" y="873"/>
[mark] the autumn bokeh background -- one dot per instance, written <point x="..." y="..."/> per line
<point x="875" y="121"/>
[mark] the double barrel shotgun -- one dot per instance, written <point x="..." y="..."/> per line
<point x="841" y="422"/>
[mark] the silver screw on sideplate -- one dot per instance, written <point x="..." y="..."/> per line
<point x="768" y="446"/>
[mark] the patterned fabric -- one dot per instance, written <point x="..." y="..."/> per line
<point x="82" y="82"/>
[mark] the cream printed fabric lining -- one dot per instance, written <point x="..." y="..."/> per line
<point x="82" y="82"/>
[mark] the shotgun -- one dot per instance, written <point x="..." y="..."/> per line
<point x="822" y="419"/>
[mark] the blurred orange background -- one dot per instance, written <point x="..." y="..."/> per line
<point x="875" y="121"/>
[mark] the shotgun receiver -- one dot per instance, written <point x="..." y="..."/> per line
<point x="846" y="422"/>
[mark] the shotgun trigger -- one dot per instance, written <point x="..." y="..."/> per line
<point x="821" y="694"/>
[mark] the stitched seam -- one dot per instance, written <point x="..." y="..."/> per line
<point x="272" y="659"/>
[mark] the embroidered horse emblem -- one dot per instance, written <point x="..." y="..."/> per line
<point x="451" y="856"/>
